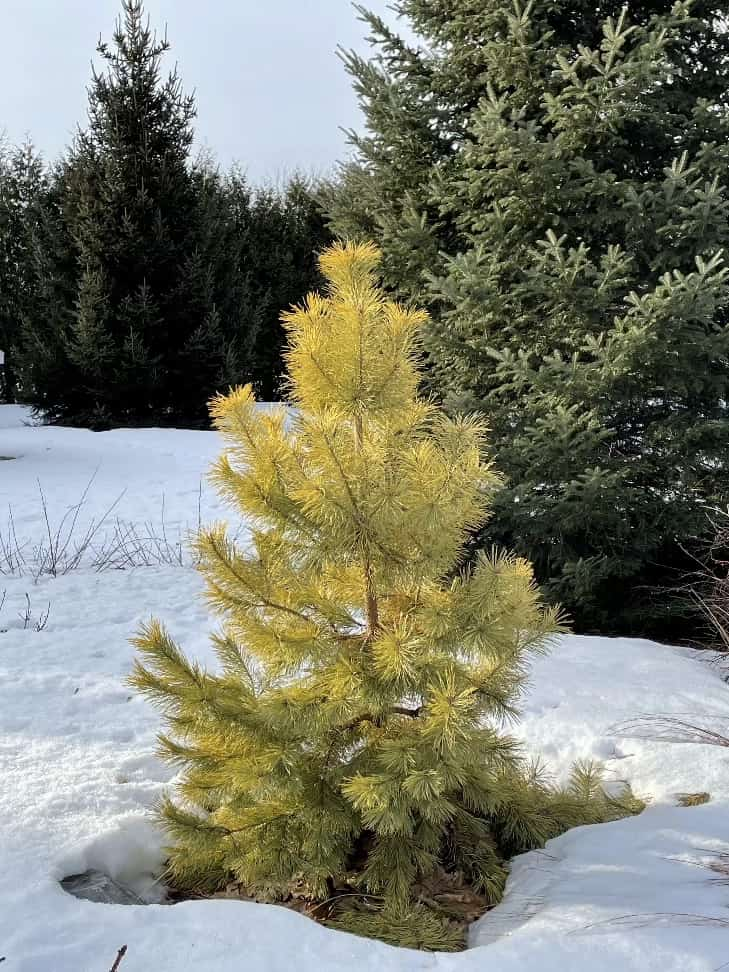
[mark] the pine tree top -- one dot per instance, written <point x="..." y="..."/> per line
<point x="365" y="468"/>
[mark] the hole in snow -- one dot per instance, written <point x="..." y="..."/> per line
<point x="94" y="885"/>
<point x="120" y="867"/>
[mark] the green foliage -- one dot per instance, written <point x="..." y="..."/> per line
<point x="274" y="237"/>
<point x="144" y="302"/>
<point x="157" y="281"/>
<point x="419" y="928"/>
<point x="11" y="263"/>
<point x="24" y="188"/>
<point x="352" y="735"/>
<point x="554" y="174"/>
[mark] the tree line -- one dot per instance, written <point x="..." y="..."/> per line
<point x="549" y="179"/>
<point x="136" y="279"/>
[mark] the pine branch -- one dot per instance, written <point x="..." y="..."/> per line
<point x="226" y="563"/>
<point x="372" y="608"/>
<point x="377" y="719"/>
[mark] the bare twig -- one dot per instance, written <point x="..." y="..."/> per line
<point x="63" y="553"/>
<point x="119" y="956"/>
<point x="12" y="560"/>
<point x="108" y="543"/>
<point x="43" y="619"/>
<point x="667" y="728"/>
<point x="654" y="920"/>
<point x="28" y="614"/>
<point x="707" y="586"/>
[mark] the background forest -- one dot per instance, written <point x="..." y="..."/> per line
<point x="549" y="180"/>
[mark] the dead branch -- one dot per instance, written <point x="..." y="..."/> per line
<point x="119" y="956"/>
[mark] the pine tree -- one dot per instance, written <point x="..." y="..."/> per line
<point x="9" y="300"/>
<point x="350" y="745"/>
<point x="555" y="174"/>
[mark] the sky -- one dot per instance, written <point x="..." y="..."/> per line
<point x="271" y="93"/>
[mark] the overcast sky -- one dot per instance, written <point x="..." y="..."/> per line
<point x="270" y="91"/>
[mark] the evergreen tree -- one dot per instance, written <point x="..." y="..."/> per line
<point x="22" y="181"/>
<point x="556" y="174"/>
<point x="9" y="260"/>
<point x="147" y="339"/>
<point x="274" y="237"/>
<point x="49" y="380"/>
<point x="289" y="231"/>
<point x="349" y="746"/>
<point x="154" y="281"/>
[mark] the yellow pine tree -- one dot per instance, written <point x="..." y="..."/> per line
<point x="350" y="744"/>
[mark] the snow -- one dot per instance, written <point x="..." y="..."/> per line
<point x="78" y="772"/>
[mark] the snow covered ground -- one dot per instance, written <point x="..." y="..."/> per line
<point x="78" y="774"/>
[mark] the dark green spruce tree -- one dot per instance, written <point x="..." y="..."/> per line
<point x="555" y="175"/>
<point x="148" y="341"/>
<point x="23" y="180"/>
<point x="269" y="261"/>
<point x="279" y="261"/>
<point x="47" y="377"/>
<point x="9" y="260"/>
<point x="151" y="280"/>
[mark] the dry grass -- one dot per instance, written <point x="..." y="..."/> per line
<point x="657" y="919"/>
<point x="671" y="729"/>
<point x="31" y="620"/>
<point x="693" y="799"/>
<point x="668" y="728"/>
<point x="708" y="585"/>
<point x="106" y="543"/>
